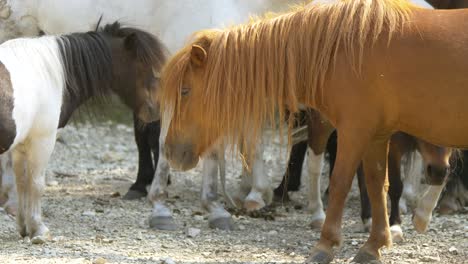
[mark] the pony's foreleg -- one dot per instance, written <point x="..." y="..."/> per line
<point x="8" y="186"/>
<point x="375" y="170"/>
<point x="314" y="167"/>
<point x="423" y="212"/>
<point x="348" y="158"/>
<point x="161" y="216"/>
<point x="219" y="218"/>
<point x="37" y="154"/>
<point x="261" y="193"/>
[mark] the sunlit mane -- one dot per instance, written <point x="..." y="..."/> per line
<point x="256" y="69"/>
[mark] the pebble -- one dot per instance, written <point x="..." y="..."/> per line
<point x="100" y="261"/>
<point x="89" y="213"/>
<point x="167" y="261"/>
<point x="39" y="240"/>
<point x="453" y="250"/>
<point x="273" y="233"/>
<point x="193" y="232"/>
<point x="198" y="218"/>
<point x="354" y="243"/>
<point x="52" y="183"/>
<point x="430" y="259"/>
<point x="241" y="227"/>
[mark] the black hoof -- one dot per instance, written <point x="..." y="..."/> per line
<point x="134" y="195"/>
<point x="365" y="257"/>
<point x="162" y="223"/>
<point x="320" y="257"/>
<point x="222" y="223"/>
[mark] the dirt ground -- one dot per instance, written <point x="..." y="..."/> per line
<point x="90" y="222"/>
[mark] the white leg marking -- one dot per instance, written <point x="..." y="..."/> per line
<point x="314" y="169"/>
<point x="219" y="217"/>
<point x="30" y="161"/>
<point x="261" y="193"/>
<point x="412" y="183"/>
<point x="161" y="216"/>
<point x="423" y="212"/>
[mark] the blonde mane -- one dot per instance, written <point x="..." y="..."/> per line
<point x="256" y="69"/>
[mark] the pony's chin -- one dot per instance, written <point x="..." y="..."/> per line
<point x="148" y="115"/>
<point x="185" y="165"/>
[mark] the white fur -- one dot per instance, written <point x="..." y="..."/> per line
<point x="427" y="203"/>
<point x="314" y="168"/>
<point x="37" y="76"/>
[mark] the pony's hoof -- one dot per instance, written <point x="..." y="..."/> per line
<point x="162" y="223"/>
<point x="320" y="256"/>
<point x="40" y="236"/>
<point x="134" y="195"/>
<point x="254" y="201"/>
<point x="403" y="207"/>
<point x="39" y="240"/>
<point x="317" y="224"/>
<point x="420" y="224"/>
<point x="365" y="257"/>
<point x="251" y="205"/>
<point x="397" y="233"/>
<point x="222" y="223"/>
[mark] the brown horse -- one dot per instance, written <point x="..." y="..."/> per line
<point x="370" y="67"/>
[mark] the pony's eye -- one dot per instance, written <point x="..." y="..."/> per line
<point x="185" y="91"/>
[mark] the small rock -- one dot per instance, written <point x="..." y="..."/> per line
<point x="100" y="261"/>
<point x="198" y="218"/>
<point x="115" y="195"/>
<point x="193" y="232"/>
<point x="89" y="213"/>
<point x="273" y="233"/>
<point x="38" y="240"/>
<point x="430" y="259"/>
<point x="354" y="243"/>
<point x="241" y="227"/>
<point x="453" y="250"/>
<point x="26" y="240"/>
<point x="52" y="183"/>
<point x="167" y="261"/>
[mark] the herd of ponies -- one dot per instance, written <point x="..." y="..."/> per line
<point x="364" y="84"/>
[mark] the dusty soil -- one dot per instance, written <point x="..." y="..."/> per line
<point x="92" y="224"/>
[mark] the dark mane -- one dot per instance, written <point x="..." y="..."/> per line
<point x="148" y="49"/>
<point x="88" y="61"/>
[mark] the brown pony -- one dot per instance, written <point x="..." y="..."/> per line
<point x="370" y="67"/>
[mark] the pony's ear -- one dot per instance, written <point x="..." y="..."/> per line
<point x="198" y="55"/>
<point x="130" y="42"/>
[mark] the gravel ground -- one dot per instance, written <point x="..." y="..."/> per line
<point x="92" y="224"/>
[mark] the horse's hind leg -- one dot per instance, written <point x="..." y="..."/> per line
<point x="375" y="170"/>
<point x="20" y="168"/>
<point x="219" y="218"/>
<point x="37" y="154"/>
<point x="161" y="216"/>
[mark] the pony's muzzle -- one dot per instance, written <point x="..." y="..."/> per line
<point x="181" y="156"/>
<point x="436" y="175"/>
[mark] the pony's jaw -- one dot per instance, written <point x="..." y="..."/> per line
<point x="181" y="156"/>
<point x="436" y="175"/>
